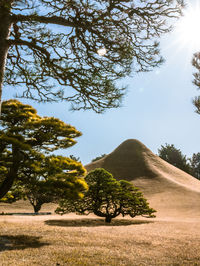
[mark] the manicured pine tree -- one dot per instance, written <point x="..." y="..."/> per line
<point x="108" y="198"/>
<point x="26" y="139"/>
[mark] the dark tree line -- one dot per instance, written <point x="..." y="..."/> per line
<point x="175" y="157"/>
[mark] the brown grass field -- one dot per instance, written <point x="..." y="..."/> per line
<point x="172" y="238"/>
<point x="80" y="240"/>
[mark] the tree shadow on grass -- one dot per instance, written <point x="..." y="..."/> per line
<point x="10" y="242"/>
<point x="87" y="222"/>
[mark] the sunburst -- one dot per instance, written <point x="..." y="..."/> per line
<point x="188" y="27"/>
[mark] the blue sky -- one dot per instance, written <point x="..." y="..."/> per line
<point x="156" y="110"/>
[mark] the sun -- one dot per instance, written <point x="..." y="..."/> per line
<point x="188" y="27"/>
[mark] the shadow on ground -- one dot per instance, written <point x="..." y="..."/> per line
<point x="9" y="242"/>
<point x="94" y="222"/>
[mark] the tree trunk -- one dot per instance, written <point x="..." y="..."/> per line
<point x="8" y="182"/>
<point x="108" y="219"/>
<point x="5" y="26"/>
<point x="12" y="174"/>
<point x="37" y="207"/>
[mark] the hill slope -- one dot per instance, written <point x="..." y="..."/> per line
<point x="172" y="192"/>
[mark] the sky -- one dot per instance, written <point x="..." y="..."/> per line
<point x="157" y="108"/>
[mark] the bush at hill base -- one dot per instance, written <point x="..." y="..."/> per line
<point x="108" y="198"/>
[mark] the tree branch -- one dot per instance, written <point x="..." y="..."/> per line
<point x="31" y="45"/>
<point x="49" y="20"/>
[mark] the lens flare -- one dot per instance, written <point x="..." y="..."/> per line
<point x="101" y="51"/>
<point x="188" y="27"/>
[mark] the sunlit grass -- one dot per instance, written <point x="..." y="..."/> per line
<point x="75" y="240"/>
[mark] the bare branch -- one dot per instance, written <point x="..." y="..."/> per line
<point x="49" y="20"/>
<point x="31" y="45"/>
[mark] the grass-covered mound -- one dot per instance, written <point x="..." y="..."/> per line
<point x="169" y="190"/>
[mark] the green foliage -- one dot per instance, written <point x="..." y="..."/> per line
<point x="9" y="198"/>
<point x="25" y="141"/>
<point x="174" y="156"/>
<point x="98" y="157"/>
<point x="107" y="197"/>
<point x="195" y="165"/>
<point x="49" y="180"/>
<point x="49" y="59"/>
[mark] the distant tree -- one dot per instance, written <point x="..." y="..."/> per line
<point x="195" y="165"/>
<point x="51" y="45"/>
<point x="174" y="156"/>
<point x="196" y="81"/>
<point x="26" y="139"/>
<point x="98" y="157"/>
<point x="108" y="198"/>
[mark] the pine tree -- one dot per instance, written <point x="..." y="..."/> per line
<point x="195" y="165"/>
<point x="26" y="139"/>
<point x="52" y="45"/>
<point x="49" y="180"/>
<point x="108" y="198"/>
<point x="174" y="156"/>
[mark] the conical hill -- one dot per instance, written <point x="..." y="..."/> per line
<point x="172" y="192"/>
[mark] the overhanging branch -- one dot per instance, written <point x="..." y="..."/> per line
<point x="49" y="20"/>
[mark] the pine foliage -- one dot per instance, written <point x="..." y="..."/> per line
<point x="26" y="141"/>
<point x="108" y="198"/>
<point x="55" y="47"/>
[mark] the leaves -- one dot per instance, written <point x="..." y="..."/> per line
<point x="53" y="47"/>
<point x="107" y="197"/>
<point x="26" y="139"/>
<point x="174" y="156"/>
<point x="49" y="180"/>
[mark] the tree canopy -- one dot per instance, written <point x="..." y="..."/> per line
<point x="26" y="139"/>
<point x="55" y="47"/>
<point x="49" y="180"/>
<point x="195" y="165"/>
<point x="108" y="198"/>
<point x="174" y="156"/>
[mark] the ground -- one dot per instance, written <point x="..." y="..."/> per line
<point x="86" y="240"/>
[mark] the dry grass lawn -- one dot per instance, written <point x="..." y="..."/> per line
<point x="79" y="240"/>
<point x="173" y="238"/>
